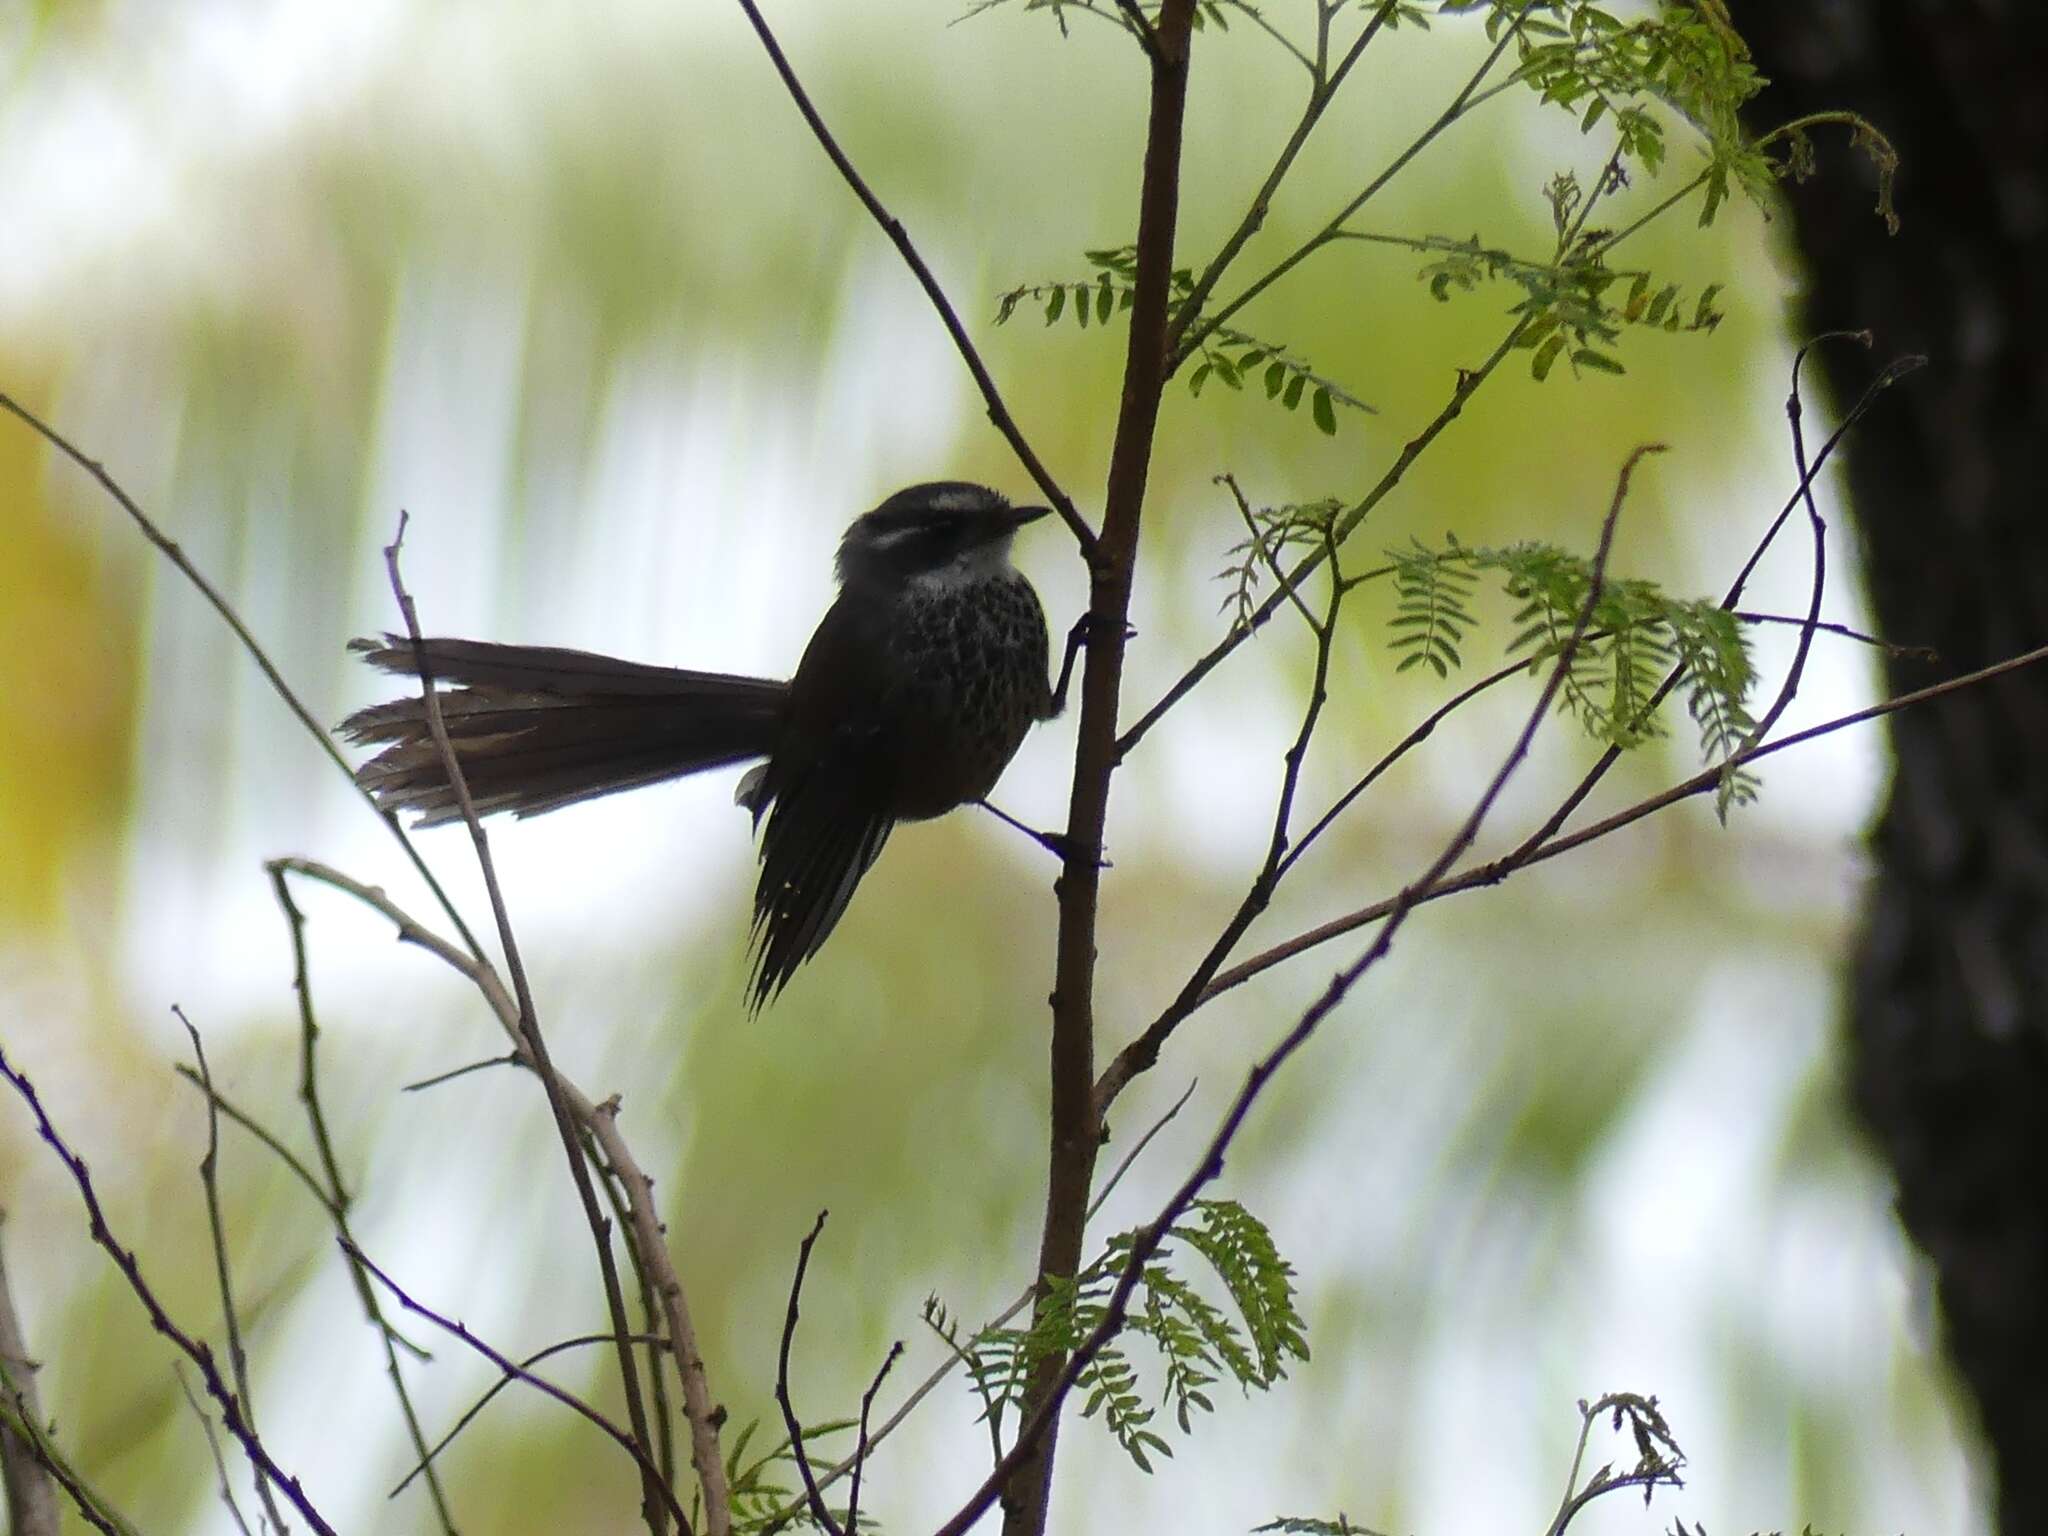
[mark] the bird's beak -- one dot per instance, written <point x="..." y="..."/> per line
<point x="1019" y="516"/>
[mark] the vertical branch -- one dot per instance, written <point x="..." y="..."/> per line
<point x="209" y="1180"/>
<point x="1076" y="1133"/>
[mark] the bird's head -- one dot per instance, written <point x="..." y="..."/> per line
<point x="942" y="531"/>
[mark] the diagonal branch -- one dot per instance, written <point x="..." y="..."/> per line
<point x="998" y="412"/>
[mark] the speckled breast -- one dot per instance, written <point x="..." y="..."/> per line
<point x="973" y="660"/>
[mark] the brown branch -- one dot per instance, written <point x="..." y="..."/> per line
<point x="812" y="1492"/>
<point x="998" y="413"/>
<point x="1146" y="1240"/>
<point x="131" y="1271"/>
<point x="601" y="1120"/>
<point x="629" y="1443"/>
<point x="1075" y="1132"/>
<point x="26" y="1478"/>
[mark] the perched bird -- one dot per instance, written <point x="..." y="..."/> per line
<point x="911" y="698"/>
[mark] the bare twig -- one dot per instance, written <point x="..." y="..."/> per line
<point x="1706" y="782"/>
<point x="220" y="1465"/>
<point x="238" y="1358"/>
<point x="511" y="1368"/>
<point x="26" y="1478"/>
<point x="816" y="1496"/>
<point x="131" y="1271"/>
<point x="957" y="1357"/>
<point x="998" y="413"/>
<point x="862" y="1445"/>
<point x="601" y="1120"/>
<point x="483" y="1402"/>
<point x="336" y="1195"/>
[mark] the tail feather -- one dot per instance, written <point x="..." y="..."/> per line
<point x="536" y="728"/>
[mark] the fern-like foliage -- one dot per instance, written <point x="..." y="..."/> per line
<point x="1430" y="618"/>
<point x="1300" y="1525"/>
<point x="1636" y="636"/>
<point x="1227" y="355"/>
<point x="764" y="1485"/>
<point x="1197" y="1342"/>
<point x="1274" y="534"/>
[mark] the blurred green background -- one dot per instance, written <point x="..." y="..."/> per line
<point x="573" y="286"/>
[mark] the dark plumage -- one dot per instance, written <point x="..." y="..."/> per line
<point x="911" y="698"/>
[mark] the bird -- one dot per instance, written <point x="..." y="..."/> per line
<point x="912" y="696"/>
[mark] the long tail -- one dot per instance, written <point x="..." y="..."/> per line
<point x="536" y="728"/>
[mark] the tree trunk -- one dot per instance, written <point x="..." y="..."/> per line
<point x="1949" y="480"/>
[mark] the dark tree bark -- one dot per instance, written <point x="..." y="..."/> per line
<point x="1949" y="1020"/>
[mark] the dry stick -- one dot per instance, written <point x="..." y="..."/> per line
<point x="812" y="1492"/>
<point x="1145" y="1243"/>
<point x="238" y="1358"/>
<point x="602" y="1122"/>
<point x="170" y="550"/>
<point x="336" y="1196"/>
<point x="998" y="413"/>
<point x="26" y="1478"/>
<point x="862" y="1444"/>
<point x="220" y="1463"/>
<point x="1705" y="782"/>
<point x="514" y="1370"/>
<point x="945" y="1367"/>
<point x="131" y="1271"/>
<point x="653" y="1492"/>
<point x="490" y="1392"/>
<point x="656" y="1342"/>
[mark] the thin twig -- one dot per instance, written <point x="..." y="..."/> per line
<point x="891" y="226"/>
<point x="1705" y="782"/>
<point x="477" y="1407"/>
<point x="238" y="1358"/>
<point x="513" y="1369"/>
<point x="131" y="1271"/>
<point x="945" y="1367"/>
<point x="336" y="1196"/>
<point x="816" y="1496"/>
<point x="220" y="1465"/>
<point x="601" y="1120"/>
<point x="46" y="1458"/>
<point x="863" y="1444"/>
<point x="530" y="1033"/>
